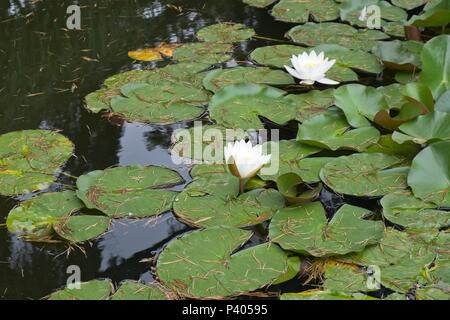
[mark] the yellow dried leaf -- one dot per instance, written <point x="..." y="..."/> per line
<point x="167" y="49"/>
<point x="148" y="54"/>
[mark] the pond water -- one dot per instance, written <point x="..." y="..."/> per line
<point x="45" y="73"/>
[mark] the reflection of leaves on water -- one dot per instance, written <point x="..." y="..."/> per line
<point x="160" y="137"/>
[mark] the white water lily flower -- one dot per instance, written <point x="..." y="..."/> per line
<point x="311" y="68"/>
<point x="245" y="160"/>
<point x="363" y="15"/>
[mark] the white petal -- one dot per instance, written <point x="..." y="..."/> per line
<point x="293" y="72"/>
<point x="327" y="81"/>
<point x="310" y="82"/>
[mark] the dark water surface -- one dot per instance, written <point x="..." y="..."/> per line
<point x="45" y="73"/>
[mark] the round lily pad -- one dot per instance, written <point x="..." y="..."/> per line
<point x="365" y="174"/>
<point x="436" y="14"/>
<point x="344" y="277"/>
<point x="225" y="33"/>
<point x="350" y="11"/>
<point x="312" y="103"/>
<point x="434" y="126"/>
<point x="309" y="168"/>
<point x="295" y="11"/>
<point x="240" y="106"/>
<point x="314" y="34"/>
<point x="324" y="295"/>
<point x="259" y="3"/>
<point x="429" y="177"/>
<point x="213" y="199"/>
<point x="205" y="52"/>
<point x="36" y="217"/>
<point x="306" y="230"/>
<point x="408" y="4"/>
<point x="81" y="228"/>
<point x="30" y="160"/>
<point x="133" y="191"/>
<point x="203" y="264"/>
<point x="399" y="55"/>
<point x="133" y="290"/>
<point x="332" y="131"/>
<point x="412" y="213"/>
<point x="288" y="156"/>
<point x="162" y="103"/>
<point x="91" y="290"/>
<point x="217" y="79"/>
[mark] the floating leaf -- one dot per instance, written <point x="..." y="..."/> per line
<point x="287" y="157"/>
<point x="394" y="28"/>
<point x="313" y="34"/>
<point x="205" y="52"/>
<point x="429" y="177"/>
<point x="388" y="146"/>
<point x="217" y="79"/>
<point x="365" y="174"/>
<point x="436" y="64"/>
<point x="212" y="199"/>
<point x="259" y="3"/>
<point x="407" y="211"/>
<point x="36" y="217"/>
<point x="399" y="55"/>
<point x="280" y="55"/>
<point x="162" y="103"/>
<point x="312" y="103"/>
<point x="133" y="191"/>
<point x="133" y="290"/>
<point x="91" y="290"/>
<point x="432" y="294"/>
<point x="324" y="295"/>
<point x="225" y="33"/>
<point x="408" y="4"/>
<point x="443" y="102"/>
<point x="309" y="168"/>
<point x="295" y="11"/>
<point x="81" y="228"/>
<point x="146" y="54"/>
<point x="306" y="230"/>
<point x="343" y="277"/>
<point x="331" y="131"/>
<point x="350" y="11"/>
<point x="202" y="264"/>
<point x="405" y="77"/>
<point x="291" y="186"/>
<point x="428" y="128"/>
<point x="240" y="106"/>
<point x="30" y="160"/>
<point x="437" y="14"/>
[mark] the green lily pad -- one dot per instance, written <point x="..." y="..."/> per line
<point x="399" y="55"/>
<point x="342" y="277"/>
<point x="331" y="131"/>
<point x="405" y="77"/>
<point x="162" y="103"/>
<point x="225" y="33"/>
<point x="408" y="4"/>
<point x="211" y="138"/>
<point x="324" y="295"/>
<point x="429" y="177"/>
<point x="437" y="14"/>
<point x="432" y="294"/>
<point x="290" y="152"/>
<point x="434" y="126"/>
<point x="187" y="73"/>
<point x="306" y="230"/>
<point x="91" y="290"/>
<point x="394" y="28"/>
<point x="217" y="79"/>
<point x="312" y="103"/>
<point x="280" y="55"/>
<point x="30" y="160"/>
<point x="239" y="106"/>
<point x="202" y="264"/>
<point x="82" y="228"/>
<point x="295" y="11"/>
<point x="314" y="34"/>
<point x="213" y="199"/>
<point x="402" y="259"/>
<point x="443" y="102"/>
<point x="365" y="174"/>
<point x="133" y="290"/>
<point x="36" y="217"/>
<point x="295" y="191"/>
<point x="309" y="168"/>
<point x="133" y="191"/>
<point x="294" y="265"/>
<point x="206" y="52"/>
<point x="259" y="3"/>
<point x="388" y="146"/>
<point x="350" y="10"/>
<point x="436" y="65"/>
<point x="407" y="211"/>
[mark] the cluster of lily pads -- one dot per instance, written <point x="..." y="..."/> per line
<point x="390" y="143"/>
